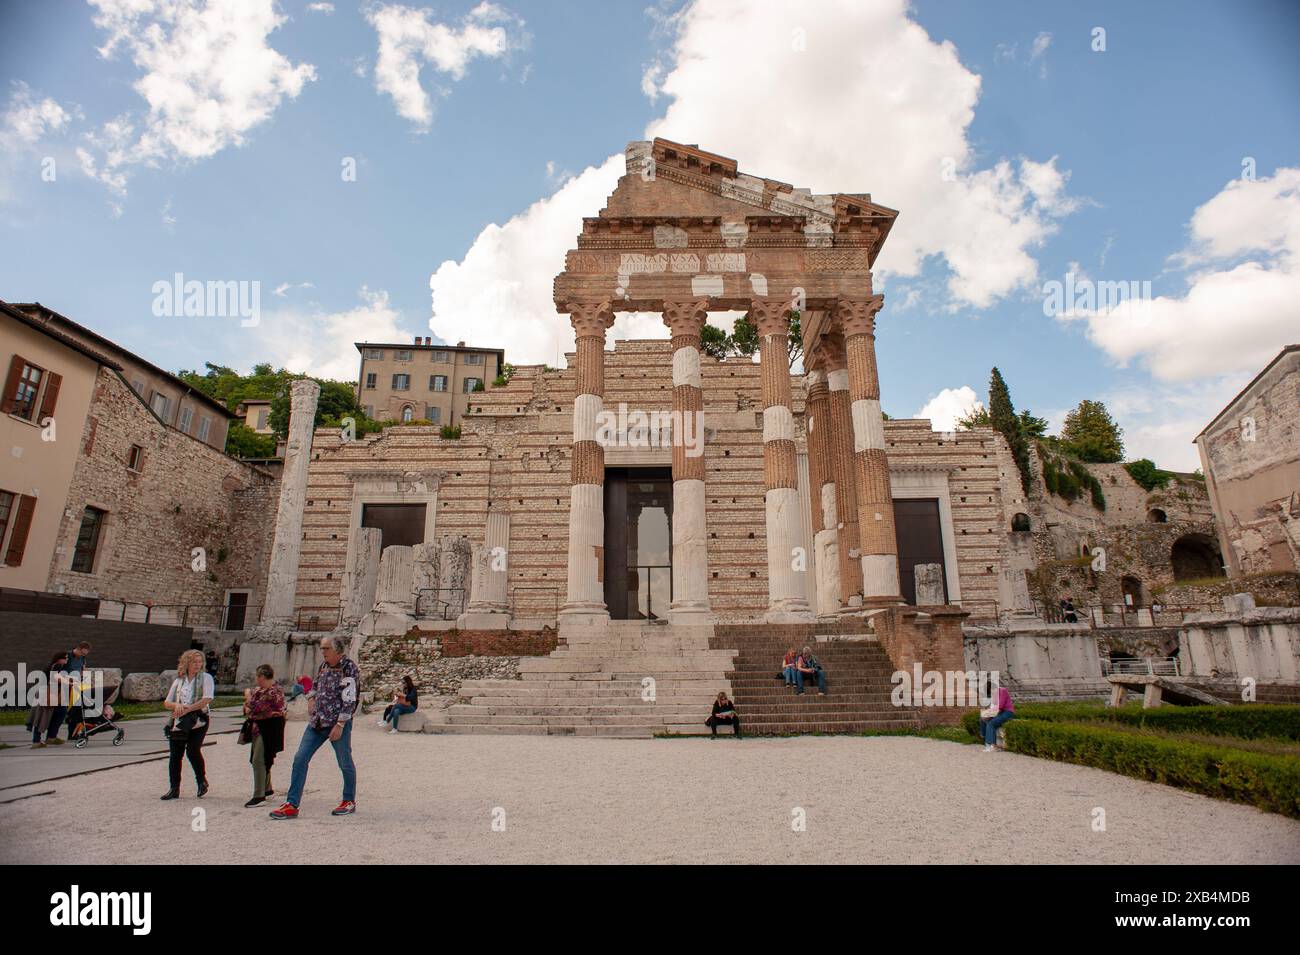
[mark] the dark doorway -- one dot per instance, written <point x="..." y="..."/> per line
<point x="1195" y="556"/>
<point x="638" y="543"/>
<point x="236" y="610"/>
<point x="920" y="541"/>
<point x="400" y="525"/>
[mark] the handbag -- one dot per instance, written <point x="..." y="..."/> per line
<point x="245" y="733"/>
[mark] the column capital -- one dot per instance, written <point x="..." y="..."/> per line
<point x="858" y="316"/>
<point x="814" y="380"/>
<point x="831" y="352"/>
<point x="686" y="318"/>
<point x="590" y="319"/>
<point x="771" y="316"/>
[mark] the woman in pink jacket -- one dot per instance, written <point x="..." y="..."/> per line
<point x="999" y="710"/>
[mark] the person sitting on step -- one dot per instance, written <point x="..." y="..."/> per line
<point x="999" y="710"/>
<point x="788" y="664"/>
<point x="405" y="700"/>
<point x="724" y="714"/>
<point x="808" y="667"/>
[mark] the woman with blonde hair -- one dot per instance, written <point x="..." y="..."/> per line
<point x="188" y="700"/>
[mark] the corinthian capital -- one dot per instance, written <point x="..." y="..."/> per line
<point x="858" y="316"/>
<point x="686" y="318"/>
<point x="590" y="319"/>
<point x="771" y="316"/>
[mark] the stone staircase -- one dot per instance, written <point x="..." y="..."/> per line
<point x="858" y="680"/>
<point x="598" y="684"/>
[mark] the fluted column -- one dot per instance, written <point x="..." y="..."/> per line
<point x="821" y="491"/>
<point x="585" y="601"/>
<point x="690" y="558"/>
<point x="879" y="543"/>
<point x="282" y="580"/>
<point x="786" y="594"/>
<point x="842" y="470"/>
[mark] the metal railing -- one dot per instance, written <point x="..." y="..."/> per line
<point x="431" y="602"/>
<point x="1148" y="666"/>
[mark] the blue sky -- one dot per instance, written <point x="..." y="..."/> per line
<point x="482" y="133"/>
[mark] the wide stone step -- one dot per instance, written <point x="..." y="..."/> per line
<point x="646" y="710"/>
<point x="824" y="726"/>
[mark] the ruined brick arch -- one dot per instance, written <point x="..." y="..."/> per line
<point x="1133" y="587"/>
<point x="1020" y="523"/>
<point x="1194" y="556"/>
<point x="1157" y="516"/>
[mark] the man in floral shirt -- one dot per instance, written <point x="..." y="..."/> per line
<point x="332" y="703"/>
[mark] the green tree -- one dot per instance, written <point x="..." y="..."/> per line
<point x="337" y="401"/>
<point x="1034" y="429"/>
<point x="1002" y="418"/>
<point x="714" y="341"/>
<point x="1090" y="434"/>
<point x="243" y="442"/>
<point x="1145" y="472"/>
<point x="744" y="338"/>
<point x="976" y="417"/>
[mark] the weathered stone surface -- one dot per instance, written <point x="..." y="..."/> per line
<point x="929" y="584"/>
<point x="143" y="687"/>
<point x="282" y="581"/>
<point x="362" y="576"/>
<point x="393" y="589"/>
<point x="295" y="711"/>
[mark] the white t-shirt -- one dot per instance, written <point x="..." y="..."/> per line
<point x="182" y="691"/>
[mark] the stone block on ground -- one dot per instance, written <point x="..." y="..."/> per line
<point x="412" y="722"/>
<point x="296" y="710"/>
<point x="143" y="688"/>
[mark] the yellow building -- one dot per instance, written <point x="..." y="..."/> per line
<point x="423" y="381"/>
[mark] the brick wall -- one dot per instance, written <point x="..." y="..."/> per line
<point x="131" y="647"/>
<point x="438" y="661"/>
<point x="185" y="495"/>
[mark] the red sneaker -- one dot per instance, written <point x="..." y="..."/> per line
<point x="287" y="811"/>
<point x="346" y="808"/>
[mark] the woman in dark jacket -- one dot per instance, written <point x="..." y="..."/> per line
<point x="724" y="714"/>
<point x="265" y="708"/>
<point x="406" y="700"/>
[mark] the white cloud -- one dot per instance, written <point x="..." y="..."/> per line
<point x="738" y="85"/>
<point x="321" y="343"/>
<point x="1240" y="305"/>
<point x="27" y="120"/>
<point x="1038" y="52"/>
<point x="408" y="41"/>
<point x="325" y="8"/>
<point x="168" y="220"/>
<point x="27" y="126"/>
<point x="208" y="78"/>
<point x="947" y="406"/>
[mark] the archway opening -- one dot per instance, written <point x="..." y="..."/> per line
<point x="1157" y="516"/>
<point x="407" y="413"/>
<point x="1194" y="556"/>
<point x="1134" y="592"/>
<point x="1020" y="523"/>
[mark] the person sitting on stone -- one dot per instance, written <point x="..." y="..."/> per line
<point x="405" y="700"/>
<point x="808" y="667"/>
<point x="724" y="714"/>
<point x="999" y="710"/>
<point x="788" y="665"/>
<point x="300" y="686"/>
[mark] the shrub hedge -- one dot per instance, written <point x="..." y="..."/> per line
<point x="1268" y="782"/>
<point x="1248" y="721"/>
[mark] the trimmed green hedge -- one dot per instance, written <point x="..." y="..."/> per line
<point x="1271" y="783"/>
<point x="1247" y="721"/>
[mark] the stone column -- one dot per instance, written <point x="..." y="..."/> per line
<point x="821" y="491"/>
<point x="585" y="602"/>
<point x="786" y="600"/>
<point x="393" y="588"/>
<point x="871" y="470"/>
<point x="361" y="575"/>
<point x="282" y="582"/>
<point x="488" y="604"/>
<point x="690" y="557"/>
<point x="841" y="472"/>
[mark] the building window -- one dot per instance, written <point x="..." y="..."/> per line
<point x="440" y="357"/>
<point x="473" y="359"/>
<point x="187" y="418"/>
<point x="371" y="378"/>
<point x="26" y="382"/>
<point x="161" y="405"/>
<point x="135" y="458"/>
<point x="402" y="355"/>
<point x="138" y="385"/>
<point x="435" y="415"/>
<point x="263" y="416"/>
<point x="401" y="382"/>
<point x="16" y="512"/>
<point x="407" y="413"/>
<point x="205" y="426"/>
<point x="83" y="556"/>
<point x="471" y="384"/>
<point x="437" y="382"/>
<point x="375" y="354"/>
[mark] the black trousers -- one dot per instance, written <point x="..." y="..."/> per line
<point x="716" y="721"/>
<point x="192" y="748"/>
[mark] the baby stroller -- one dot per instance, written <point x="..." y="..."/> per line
<point x="83" y="726"/>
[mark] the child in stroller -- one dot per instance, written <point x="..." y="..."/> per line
<point x="83" y="725"/>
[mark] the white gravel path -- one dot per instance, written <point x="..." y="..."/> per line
<point x="432" y="799"/>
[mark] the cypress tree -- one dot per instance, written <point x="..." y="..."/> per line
<point x="1003" y="418"/>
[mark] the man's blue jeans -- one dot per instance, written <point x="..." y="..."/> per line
<point x="991" y="726"/>
<point x="400" y="709"/>
<point x="800" y="676"/>
<point x="312" y="740"/>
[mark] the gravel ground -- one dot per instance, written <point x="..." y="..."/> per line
<point x="434" y="799"/>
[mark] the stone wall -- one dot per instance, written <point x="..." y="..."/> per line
<point x="185" y="494"/>
<point x="33" y="639"/>
<point x="1262" y="644"/>
<point x="514" y="455"/>
<point x="438" y="661"/>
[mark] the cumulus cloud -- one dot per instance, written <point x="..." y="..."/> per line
<point x="771" y="86"/>
<point x="27" y="119"/>
<point x="1239" y="307"/>
<point x="325" y="8"/>
<point x="409" y="40"/>
<point x="322" y="343"/>
<point x="947" y="406"/>
<point x="209" y="77"/>
<point x="1038" y="52"/>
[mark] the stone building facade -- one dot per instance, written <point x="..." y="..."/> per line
<point x="1250" y="454"/>
<point x="423" y="381"/>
